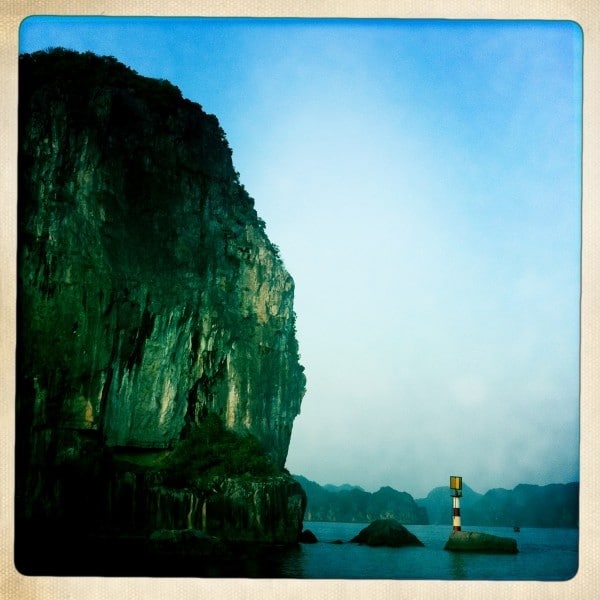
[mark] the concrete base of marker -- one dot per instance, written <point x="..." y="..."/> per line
<point x="474" y="541"/>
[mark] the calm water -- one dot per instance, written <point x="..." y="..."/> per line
<point x="544" y="555"/>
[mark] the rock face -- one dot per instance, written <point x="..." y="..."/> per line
<point x="386" y="532"/>
<point x="474" y="541"/>
<point x="149" y="297"/>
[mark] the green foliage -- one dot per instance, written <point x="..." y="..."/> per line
<point x="85" y="79"/>
<point x="211" y="450"/>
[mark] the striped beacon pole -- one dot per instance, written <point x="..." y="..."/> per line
<point x="456" y="487"/>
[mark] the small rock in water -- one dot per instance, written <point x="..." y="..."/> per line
<point x="386" y="532"/>
<point x="308" y="537"/>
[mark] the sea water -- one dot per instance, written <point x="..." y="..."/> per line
<point x="544" y="555"/>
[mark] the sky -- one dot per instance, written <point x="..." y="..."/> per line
<point x="422" y="179"/>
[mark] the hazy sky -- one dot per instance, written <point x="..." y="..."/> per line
<point x="423" y="182"/>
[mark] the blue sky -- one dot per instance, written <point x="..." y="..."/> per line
<point x="423" y="182"/>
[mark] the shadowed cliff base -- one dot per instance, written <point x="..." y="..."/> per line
<point x="158" y="372"/>
<point x="189" y="554"/>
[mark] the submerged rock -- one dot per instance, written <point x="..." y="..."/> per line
<point x="386" y="532"/>
<point x="474" y="541"/>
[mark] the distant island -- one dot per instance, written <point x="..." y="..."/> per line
<point x="352" y="504"/>
<point x="553" y="505"/>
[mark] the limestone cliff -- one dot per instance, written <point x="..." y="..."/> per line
<point x="352" y="504"/>
<point x="149" y="295"/>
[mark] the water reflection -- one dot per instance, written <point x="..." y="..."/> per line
<point x="292" y="563"/>
<point x="457" y="566"/>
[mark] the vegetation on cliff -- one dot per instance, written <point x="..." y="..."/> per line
<point x="210" y="451"/>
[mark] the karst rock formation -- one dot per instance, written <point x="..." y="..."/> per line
<point x="150" y="303"/>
